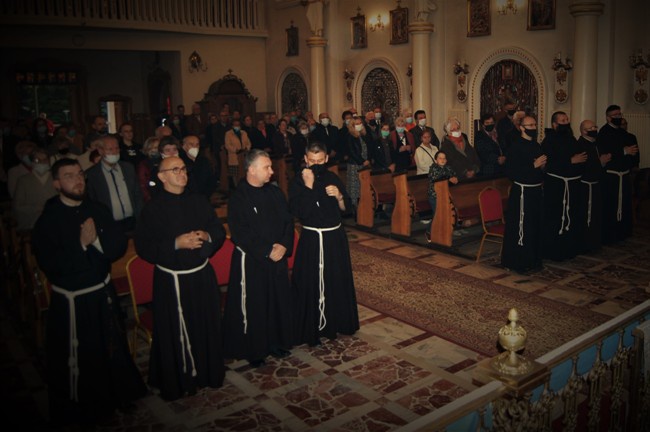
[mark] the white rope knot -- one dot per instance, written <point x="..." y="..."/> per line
<point x="242" y="283"/>
<point x="619" y="210"/>
<point x="184" y="335"/>
<point x="566" y="200"/>
<point x="523" y="186"/>
<point x="589" y="200"/>
<point x="322" y="321"/>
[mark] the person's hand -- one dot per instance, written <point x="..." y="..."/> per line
<point x="391" y="167"/>
<point x="366" y="163"/>
<point x="278" y="252"/>
<point x="501" y="160"/>
<point x="190" y="240"/>
<point x="333" y="191"/>
<point x="203" y="235"/>
<point x="470" y="173"/>
<point x="453" y="180"/>
<point x="605" y="158"/>
<point x="404" y="148"/>
<point x="88" y="232"/>
<point x="579" y="158"/>
<point x="540" y="161"/>
<point x="308" y="177"/>
<point x="630" y="150"/>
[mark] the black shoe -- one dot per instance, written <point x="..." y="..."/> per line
<point x="256" y="363"/>
<point x="280" y="353"/>
<point x="427" y="237"/>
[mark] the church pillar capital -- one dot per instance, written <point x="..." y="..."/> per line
<point x="420" y="27"/>
<point x="316" y="41"/>
<point x="579" y="8"/>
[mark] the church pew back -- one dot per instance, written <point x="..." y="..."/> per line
<point x="376" y="187"/>
<point x="411" y="197"/>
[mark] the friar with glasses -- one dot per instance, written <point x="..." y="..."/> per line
<point x="323" y="287"/>
<point x="90" y="371"/>
<point x="179" y="233"/>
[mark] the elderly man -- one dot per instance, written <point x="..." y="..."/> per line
<point x="23" y="150"/>
<point x="327" y="134"/>
<point x="196" y="123"/>
<point x="32" y="191"/>
<point x="461" y="156"/>
<point x="113" y="183"/>
<point x="179" y="233"/>
<point x="89" y="368"/>
<point x="257" y="319"/>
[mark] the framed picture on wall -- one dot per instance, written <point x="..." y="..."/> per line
<point x="541" y="14"/>
<point x="292" y="41"/>
<point x="478" y="18"/>
<point x="399" y="22"/>
<point x="359" y="31"/>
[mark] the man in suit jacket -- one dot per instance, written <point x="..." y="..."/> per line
<point x="196" y="123"/>
<point x="113" y="183"/>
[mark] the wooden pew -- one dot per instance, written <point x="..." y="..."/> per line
<point x="411" y="197"/>
<point x="376" y="187"/>
<point x="281" y="173"/>
<point x="459" y="204"/>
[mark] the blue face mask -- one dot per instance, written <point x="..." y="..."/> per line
<point x="293" y="119"/>
<point x="399" y="129"/>
<point x="236" y="128"/>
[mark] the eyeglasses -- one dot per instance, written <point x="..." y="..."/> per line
<point x="176" y="170"/>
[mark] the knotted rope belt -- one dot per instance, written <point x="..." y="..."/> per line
<point x="521" y="209"/>
<point x="322" y="322"/>
<point x="566" y="200"/>
<point x="184" y="336"/>
<point x="73" y="364"/>
<point x="620" y="174"/>
<point x="589" y="200"/>
<point x="243" y="288"/>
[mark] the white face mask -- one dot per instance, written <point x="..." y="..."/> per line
<point x="456" y="134"/>
<point x="112" y="159"/>
<point x="422" y="122"/>
<point x="305" y="132"/>
<point x="358" y="127"/>
<point x="193" y="152"/>
<point x="325" y="121"/>
<point x="377" y="116"/>
<point x="40" y="168"/>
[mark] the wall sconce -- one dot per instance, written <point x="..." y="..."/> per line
<point x="409" y="73"/>
<point x="196" y="63"/>
<point x="640" y="66"/>
<point x="461" y="69"/>
<point x="376" y="23"/>
<point x="508" y="6"/>
<point x="348" y="76"/>
<point x="561" y="77"/>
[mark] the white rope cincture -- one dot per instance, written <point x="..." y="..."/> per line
<point x="620" y="174"/>
<point x="184" y="336"/>
<point x="73" y="359"/>
<point x="589" y="201"/>
<point x="243" y="287"/>
<point x="521" y="209"/>
<point x="566" y="202"/>
<point x="322" y="322"/>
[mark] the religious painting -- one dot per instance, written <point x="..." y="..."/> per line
<point x="399" y="22"/>
<point x="292" y="41"/>
<point x="478" y="18"/>
<point x="541" y="14"/>
<point x="359" y="32"/>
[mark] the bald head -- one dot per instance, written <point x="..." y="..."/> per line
<point x="588" y="129"/>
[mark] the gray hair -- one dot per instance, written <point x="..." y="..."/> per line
<point x="252" y="156"/>
<point x="448" y="123"/>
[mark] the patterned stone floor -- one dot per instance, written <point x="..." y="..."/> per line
<point x="385" y="376"/>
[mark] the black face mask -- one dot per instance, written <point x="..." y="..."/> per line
<point x="592" y="134"/>
<point x="617" y="121"/>
<point x="489" y="128"/>
<point x="511" y="112"/>
<point x="64" y="151"/>
<point x="564" y="129"/>
<point x="531" y="133"/>
<point x="318" y="169"/>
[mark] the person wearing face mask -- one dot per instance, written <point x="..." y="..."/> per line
<point x="323" y="288"/>
<point x="522" y="241"/>
<point x="177" y="126"/>
<point x="255" y="135"/>
<point x="564" y="168"/>
<point x="113" y="182"/>
<point x="420" y="117"/>
<point x="381" y="156"/>
<point x="147" y="166"/>
<point x="346" y="116"/>
<point x="237" y="143"/>
<point x="328" y="134"/>
<point x="589" y="204"/>
<point x="403" y="145"/>
<point x="488" y="149"/>
<point x="23" y="151"/>
<point x="359" y="143"/>
<point x="299" y="143"/>
<point x="461" y="156"/>
<point x="506" y="125"/>
<point x="32" y="191"/>
<point x="616" y="183"/>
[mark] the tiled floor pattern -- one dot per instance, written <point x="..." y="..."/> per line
<point x="386" y="375"/>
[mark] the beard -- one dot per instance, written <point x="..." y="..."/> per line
<point x="74" y="196"/>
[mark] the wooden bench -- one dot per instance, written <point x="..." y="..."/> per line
<point x="281" y="173"/>
<point x="459" y="204"/>
<point x="411" y="197"/>
<point x="376" y="187"/>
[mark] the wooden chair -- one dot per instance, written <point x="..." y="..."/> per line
<point x="37" y="294"/>
<point x="140" y="276"/>
<point x="221" y="260"/>
<point x="491" y="206"/>
<point x="292" y="258"/>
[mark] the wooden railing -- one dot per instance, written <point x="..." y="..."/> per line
<point x="593" y="382"/>
<point x="242" y="17"/>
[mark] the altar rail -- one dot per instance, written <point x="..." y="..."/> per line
<point x="593" y="382"/>
<point x="241" y="17"/>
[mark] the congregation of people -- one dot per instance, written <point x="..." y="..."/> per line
<point x="81" y="198"/>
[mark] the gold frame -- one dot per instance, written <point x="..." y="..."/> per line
<point x="546" y="22"/>
<point x="479" y="21"/>
<point x="359" y="32"/>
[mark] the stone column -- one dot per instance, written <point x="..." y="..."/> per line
<point x="585" y="60"/>
<point x="420" y="32"/>
<point x="318" y="102"/>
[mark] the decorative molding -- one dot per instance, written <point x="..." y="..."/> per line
<point x="278" y="85"/>
<point x="214" y="87"/>
<point x="381" y="62"/>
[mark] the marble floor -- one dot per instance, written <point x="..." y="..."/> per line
<point x="383" y="377"/>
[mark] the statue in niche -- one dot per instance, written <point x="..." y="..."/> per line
<point x="315" y="16"/>
<point x="423" y="8"/>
